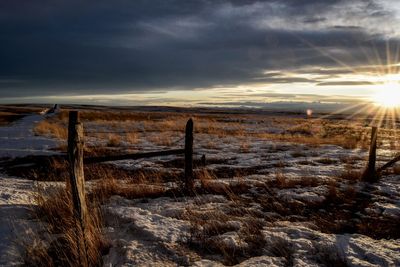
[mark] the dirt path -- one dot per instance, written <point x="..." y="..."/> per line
<point x="17" y="194"/>
<point x="18" y="139"/>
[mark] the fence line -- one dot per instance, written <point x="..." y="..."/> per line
<point x="76" y="182"/>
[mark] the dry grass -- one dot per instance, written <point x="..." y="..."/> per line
<point x="210" y="144"/>
<point x="59" y="246"/>
<point x="396" y="169"/>
<point x="92" y="115"/>
<point x="161" y="139"/>
<point x="328" y="255"/>
<point x="303" y="129"/>
<point x="132" y="138"/>
<point x="210" y="184"/>
<point x="113" y="140"/>
<point x="244" y="146"/>
<point x="205" y="177"/>
<point x="108" y="187"/>
<point x="350" y="173"/>
<point x="280" y="247"/>
<point x="51" y="129"/>
<point x="312" y="132"/>
<point x="326" y="161"/>
<point x="298" y="154"/>
<point x="7" y="118"/>
<point x="207" y="228"/>
<point x="348" y="142"/>
<point x="282" y="182"/>
<point x="351" y="160"/>
<point x="44" y="168"/>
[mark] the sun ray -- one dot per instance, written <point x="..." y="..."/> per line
<point x="383" y="70"/>
<point x="359" y="111"/>
<point x="388" y="59"/>
<point x="376" y="116"/>
<point x="393" y="114"/>
<point x="396" y="59"/>
<point x="372" y="113"/>
<point x="382" y="119"/>
<point x="373" y="63"/>
<point x="326" y="54"/>
<point x="378" y="58"/>
<point x="340" y="111"/>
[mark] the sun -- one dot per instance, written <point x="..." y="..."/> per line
<point x="388" y="95"/>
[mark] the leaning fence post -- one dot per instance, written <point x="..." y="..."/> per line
<point x="76" y="182"/>
<point x="370" y="174"/>
<point x="189" y="156"/>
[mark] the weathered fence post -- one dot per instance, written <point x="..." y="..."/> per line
<point x="370" y="174"/>
<point x="189" y="183"/>
<point x="76" y="182"/>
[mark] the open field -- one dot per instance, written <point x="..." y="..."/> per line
<point x="275" y="190"/>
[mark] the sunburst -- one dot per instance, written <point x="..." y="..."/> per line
<point x="382" y="109"/>
<point x="387" y="95"/>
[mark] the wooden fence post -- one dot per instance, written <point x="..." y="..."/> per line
<point x="76" y="182"/>
<point x="189" y="183"/>
<point x="370" y="174"/>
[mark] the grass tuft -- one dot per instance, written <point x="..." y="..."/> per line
<point x="58" y="245"/>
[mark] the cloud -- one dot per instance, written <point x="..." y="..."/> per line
<point x="344" y="83"/>
<point x="76" y="47"/>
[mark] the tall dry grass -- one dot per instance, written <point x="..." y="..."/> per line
<point x="109" y="186"/>
<point x="58" y="245"/>
<point x="51" y="129"/>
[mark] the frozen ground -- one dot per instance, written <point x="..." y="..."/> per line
<point x="17" y="139"/>
<point x="157" y="231"/>
<point x="275" y="203"/>
<point x="160" y="231"/>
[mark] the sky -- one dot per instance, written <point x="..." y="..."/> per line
<point x="197" y="52"/>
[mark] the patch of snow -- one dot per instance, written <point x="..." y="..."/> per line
<point x="386" y="209"/>
<point x="18" y="139"/>
<point x="355" y="250"/>
<point x="16" y="199"/>
<point x="305" y="194"/>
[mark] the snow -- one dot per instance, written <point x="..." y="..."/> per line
<point x="16" y="194"/>
<point x="386" y="209"/>
<point x="255" y="261"/>
<point x="308" y="194"/>
<point x="154" y="232"/>
<point x="151" y="226"/>
<point x="142" y="236"/>
<point x="18" y="139"/>
<point x="356" y="250"/>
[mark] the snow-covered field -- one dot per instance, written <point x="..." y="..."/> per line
<point x="263" y="202"/>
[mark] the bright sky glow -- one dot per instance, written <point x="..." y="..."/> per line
<point x="387" y="95"/>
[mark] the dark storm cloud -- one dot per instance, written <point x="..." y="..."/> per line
<point x="313" y="20"/>
<point x="96" y="47"/>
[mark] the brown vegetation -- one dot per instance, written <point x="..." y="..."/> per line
<point x="58" y="246"/>
<point x="7" y="118"/>
<point x="207" y="228"/>
<point x="51" y="129"/>
<point x="107" y="187"/>
<point x="313" y="132"/>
